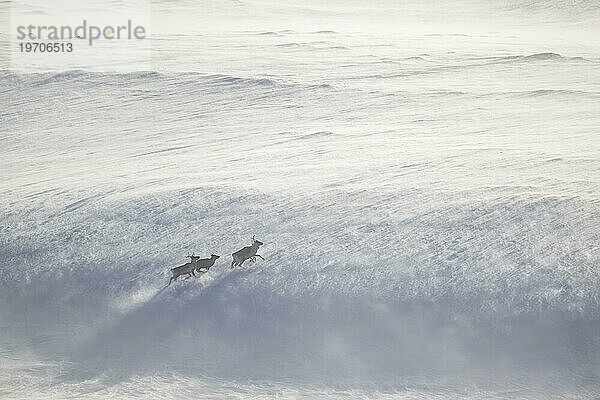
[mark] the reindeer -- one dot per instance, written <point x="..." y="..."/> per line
<point x="204" y="264"/>
<point x="247" y="253"/>
<point x="187" y="268"/>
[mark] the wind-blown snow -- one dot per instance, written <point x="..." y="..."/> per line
<point x="428" y="199"/>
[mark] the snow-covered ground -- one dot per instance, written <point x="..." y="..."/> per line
<point x="425" y="178"/>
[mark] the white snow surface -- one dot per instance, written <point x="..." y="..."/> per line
<point x="425" y="177"/>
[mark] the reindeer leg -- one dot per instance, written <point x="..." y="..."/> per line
<point x="261" y="257"/>
<point x="170" y="280"/>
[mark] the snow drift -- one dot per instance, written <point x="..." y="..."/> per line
<point x="428" y="203"/>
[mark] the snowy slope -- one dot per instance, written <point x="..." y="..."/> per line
<point x="429" y="203"/>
